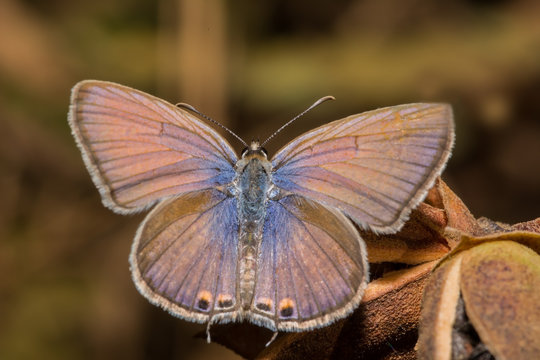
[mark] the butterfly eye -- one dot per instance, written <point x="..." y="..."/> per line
<point x="245" y="151"/>
<point x="264" y="152"/>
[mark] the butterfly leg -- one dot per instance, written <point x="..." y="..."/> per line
<point x="208" y="338"/>
<point x="272" y="339"/>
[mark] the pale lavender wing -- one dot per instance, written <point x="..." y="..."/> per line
<point x="140" y="149"/>
<point x="375" y="166"/>
<point x="312" y="266"/>
<point x="184" y="256"/>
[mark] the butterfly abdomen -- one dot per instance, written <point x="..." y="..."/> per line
<point x="252" y="185"/>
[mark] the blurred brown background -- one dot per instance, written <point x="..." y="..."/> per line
<point x="65" y="287"/>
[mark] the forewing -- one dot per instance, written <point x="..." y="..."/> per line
<point x="312" y="267"/>
<point x="375" y="166"/>
<point x="185" y="253"/>
<point x="139" y="148"/>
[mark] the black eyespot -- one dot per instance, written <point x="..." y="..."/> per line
<point x="286" y="307"/>
<point x="263" y="306"/>
<point x="203" y="304"/>
<point x="203" y="300"/>
<point x="286" y="312"/>
<point x="224" y="301"/>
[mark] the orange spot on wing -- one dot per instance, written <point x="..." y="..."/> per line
<point x="203" y="300"/>
<point x="205" y="296"/>
<point x="225" y="300"/>
<point x="264" y="304"/>
<point x="286" y="307"/>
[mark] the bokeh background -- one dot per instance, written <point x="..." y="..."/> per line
<point x="65" y="287"/>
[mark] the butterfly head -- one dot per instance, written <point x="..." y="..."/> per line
<point x="254" y="148"/>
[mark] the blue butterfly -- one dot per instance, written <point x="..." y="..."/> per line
<point x="273" y="241"/>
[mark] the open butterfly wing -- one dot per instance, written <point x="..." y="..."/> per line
<point x="140" y="149"/>
<point x="185" y="253"/>
<point x="312" y="267"/>
<point x="375" y="166"/>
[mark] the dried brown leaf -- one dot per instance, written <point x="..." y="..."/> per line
<point x="499" y="278"/>
<point x="438" y="312"/>
<point x="532" y="226"/>
<point x="420" y="240"/>
<point x="459" y="216"/>
<point x="500" y="283"/>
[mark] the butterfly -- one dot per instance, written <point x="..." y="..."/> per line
<point x="273" y="241"/>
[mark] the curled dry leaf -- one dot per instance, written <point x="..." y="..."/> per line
<point x="494" y="281"/>
<point x="441" y="296"/>
<point x="500" y="285"/>
<point x="530" y="226"/>
<point x="459" y="216"/>
<point x="420" y="240"/>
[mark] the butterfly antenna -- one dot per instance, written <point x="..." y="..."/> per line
<point x="316" y="103"/>
<point x="191" y="108"/>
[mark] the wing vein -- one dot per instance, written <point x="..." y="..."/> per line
<point x="322" y="250"/>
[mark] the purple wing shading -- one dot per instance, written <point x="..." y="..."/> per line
<point x="375" y="166"/>
<point x="312" y="267"/>
<point x="140" y="149"/>
<point x="185" y="253"/>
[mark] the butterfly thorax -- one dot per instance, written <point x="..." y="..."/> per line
<point x="252" y="187"/>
